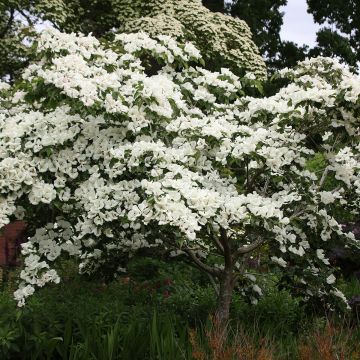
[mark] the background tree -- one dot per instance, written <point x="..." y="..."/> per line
<point x="15" y="26"/>
<point x="215" y="5"/>
<point x="341" y="35"/>
<point x="339" y="38"/>
<point x="289" y="54"/>
<point x="224" y="41"/>
<point x="230" y="48"/>
<point x="19" y="19"/>
<point x="265" y="20"/>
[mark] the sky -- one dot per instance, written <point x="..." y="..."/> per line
<point x="298" y="26"/>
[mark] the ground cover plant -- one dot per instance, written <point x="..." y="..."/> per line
<point x="112" y="150"/>
<point x="132" y="319"/>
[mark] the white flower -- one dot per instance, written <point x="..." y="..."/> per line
<point x="331" y="279"/>
<point x="279" y="261"/>
<point x="42" y="192"/>
<point x="176" y="158"/>
<point x="341" y="296"/>
<point x="327" y="197"/>
<point x="327" y="135"/>
<point x="4" y="86"/>
<point x="250" y="277"/>
<point x="250" y="76"/>
<point x="257" y="289"/>
<point x="22" y="293"/>
<point x="320" y="254"/>
<point x="298" y="251"/>
<point x="192" y="50"/>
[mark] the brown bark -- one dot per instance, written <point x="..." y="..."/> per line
<point x="227" y="283"/>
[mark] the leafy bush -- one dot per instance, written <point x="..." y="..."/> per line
<point x="90" y="320"/>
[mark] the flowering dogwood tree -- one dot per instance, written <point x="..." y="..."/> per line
<point x="109" y="149"/>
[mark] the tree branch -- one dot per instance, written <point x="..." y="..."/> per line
<point x="323" y="177"/>
<point x="213" y="283"/>
<point x="200" y="264"/>
<point x="248" y="248"/>
<point x="211" y="278"/>
<point x="227" y="248"/>
<point x="27" y="17"/>
<point x="8" y="25"/>
<point x="298" y="212"/>
<point x="251" y="181"/>
<point x="218" y="244"/>
<point x="214" y="237"/>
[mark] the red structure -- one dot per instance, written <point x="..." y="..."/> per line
<point x="11" y="236"/>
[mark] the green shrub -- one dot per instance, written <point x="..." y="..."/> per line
<point x="132" y="319"/>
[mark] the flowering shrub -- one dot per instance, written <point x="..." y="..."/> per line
<point x="109" y="149"/>
<point x="222" y="39"/>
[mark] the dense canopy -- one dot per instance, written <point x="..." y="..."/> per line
<point x="111" y="148"/>
<point x="223" y="40"/>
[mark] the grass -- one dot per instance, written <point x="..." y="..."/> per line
<point x="165" y="316"/>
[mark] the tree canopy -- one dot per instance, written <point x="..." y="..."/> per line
<point x="116" y="148"/>
<point x="338" y="38"/>
<point x="341" y="35"/>
<point x="224" y="41"/>
<point x="265" y="20"/>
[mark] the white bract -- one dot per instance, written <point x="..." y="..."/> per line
<point x="110" y="149"/>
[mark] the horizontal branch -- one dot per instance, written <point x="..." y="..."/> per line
<point x="248" y="248"/>
<point x="200" y="264"/>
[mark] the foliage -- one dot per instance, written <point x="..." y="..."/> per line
<point x="215" y="5"/>
<point x="265" y="20"/>
<point x="65" y="323"/>
<point x="220" y="344"/>
<point x="341" y="35"/>
<point x="116" y="149"/>
<point x="131" y="335"/>
<point x="14" y="34"/>
<point x="224" y="41"/>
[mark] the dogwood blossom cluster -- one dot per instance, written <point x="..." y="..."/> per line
<point x="110" y="150"/>
<point x="189" y="20"/>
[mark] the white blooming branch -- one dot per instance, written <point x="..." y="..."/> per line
<point x="136" y="146"/>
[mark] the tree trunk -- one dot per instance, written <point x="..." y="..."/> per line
<point x="227" y="283"/>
